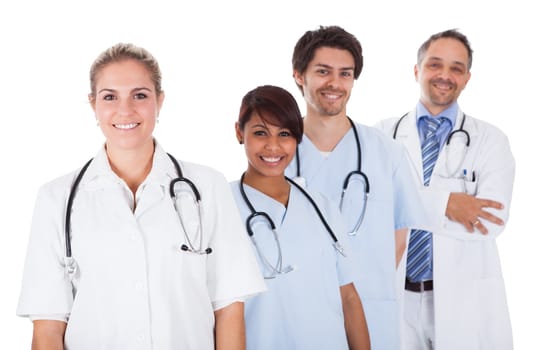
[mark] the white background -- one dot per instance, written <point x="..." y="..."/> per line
<point x="213" y="52"/>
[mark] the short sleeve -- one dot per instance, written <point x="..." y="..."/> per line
<point x="233" y="271"/>
<point x="409" y="209"/>
<point x="46" y="289"/>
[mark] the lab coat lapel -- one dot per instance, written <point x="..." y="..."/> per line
<point x="103" y="189"/>
<point x="156" y="185"/>
<point x="151" y="195"/>
<point x="99" y="176"/>
<point x="408" y="135"/>
<point x="470" y="126"/>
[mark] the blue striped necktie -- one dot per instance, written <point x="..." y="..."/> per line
<point x="419" y="248"/>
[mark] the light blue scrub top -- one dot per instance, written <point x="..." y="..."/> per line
<point x="390" y="206"/>
<point x="301" y="309"/>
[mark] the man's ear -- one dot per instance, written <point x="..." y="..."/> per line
<point x="299" y="80"/>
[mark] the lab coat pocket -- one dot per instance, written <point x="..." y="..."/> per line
<point x="471" y="187"/>
<point x="465" y="182"/>
<point x="450" y="184"/>
<point x="191" y="267"/>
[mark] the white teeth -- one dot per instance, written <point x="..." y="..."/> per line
<point x="443" y="86"/>
<point x="126" y="126"/>
<point x="332" y="97"/>
<point x="271" y="159"/>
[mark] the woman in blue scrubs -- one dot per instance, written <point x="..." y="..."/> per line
<point x="311" y="302"/>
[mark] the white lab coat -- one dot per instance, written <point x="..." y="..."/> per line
<point x="134" y="287"/>
<point x="469" y="296"/>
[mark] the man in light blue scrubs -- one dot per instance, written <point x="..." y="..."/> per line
<point x="379" y="202"/>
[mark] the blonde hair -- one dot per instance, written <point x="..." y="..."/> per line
<point x="120" y="52"/>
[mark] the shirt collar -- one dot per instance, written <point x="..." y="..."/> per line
<point x="162" y="167"/>
<point x="449" y="113"/>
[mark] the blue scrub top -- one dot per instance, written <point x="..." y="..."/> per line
<point x="301" y="309"/>
<point x="391" y="205"/>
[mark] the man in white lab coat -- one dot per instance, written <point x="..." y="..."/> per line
<point x="454" y="292"/>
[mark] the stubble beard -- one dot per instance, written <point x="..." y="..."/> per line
<point x="326" y="109"/>
<point x="439" y="99"/>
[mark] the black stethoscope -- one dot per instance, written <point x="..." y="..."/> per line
<point x="358" y="172"/>
<point x="70" y="263"/>
<point x="460" y="131"/>
<point x="277" y="268"/>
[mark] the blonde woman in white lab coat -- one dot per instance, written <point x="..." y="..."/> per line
<point x="138" y="278"/>
<point x="462" y="302"/>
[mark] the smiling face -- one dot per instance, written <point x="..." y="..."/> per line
<point x="269" y="148"/>
<point x="327" y="81"/>
<point x="442" y="74"/>
<point x="126" y="105"/>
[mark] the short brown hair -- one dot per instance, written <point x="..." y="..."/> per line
<point x="330" y="36"/>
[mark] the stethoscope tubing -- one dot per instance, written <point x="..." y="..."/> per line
<point x="358" y="170"/>
<point x="255" y="213"/>
<point x="74" y="187"/>
<point x="346" y="181"/>
<point x="72" y="194"/>
<point x="459" y="130"/>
